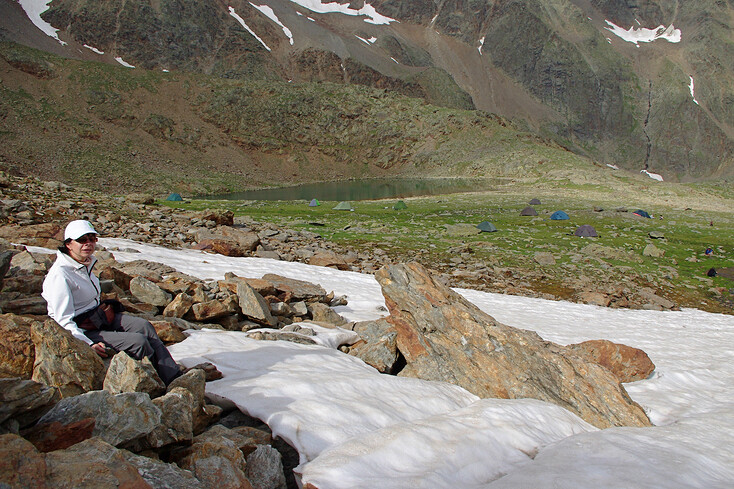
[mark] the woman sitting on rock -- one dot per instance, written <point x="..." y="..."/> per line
<point x="72" y="294"/>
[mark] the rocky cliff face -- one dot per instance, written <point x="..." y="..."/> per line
<point x="603" y="77"/>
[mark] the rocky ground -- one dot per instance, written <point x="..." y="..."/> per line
<point x="28" y="202"/>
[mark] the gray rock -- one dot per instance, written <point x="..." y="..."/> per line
<point x="322" y="313"/>
<point x="119" y="418"/>
<point x="253" y="305"/>
<point x="25" y="400"/>
<point x="146" y="291"/>
<point x="161" y="475"/>
<point x="126" y="374"/>
<point x="264" y="468"/>
<point x="177" y="419"/>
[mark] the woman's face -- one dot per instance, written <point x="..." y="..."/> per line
<point x="81" y="249"/>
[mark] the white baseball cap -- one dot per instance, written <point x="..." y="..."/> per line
<point x="77" y="229"/>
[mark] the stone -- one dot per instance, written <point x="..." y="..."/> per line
<point x="161" y="475"/>
<point x="297" y="289"/>
<point x="253" y="306"/>
<point x="168" y="332"/>
<point x="655" y="300"/>
<point x="64" y="361"/>
<point x="179" y="306"/>
<point x="320" y="312"/>
<point x="653" y="251"/>
<point x="627" y="363"/>
<point x="177" y="419"/>
<point x="17" y="353"/>
<point x="378" y="347"/>
<point x="214" y="309"/>
<point x="328" y="259"/>
<point x="264" y="468"/>
<point x="126" y="374"/>
<point x="215" y="461"/>
<point x="544" y="258"/>
<point x="48" y="437"/>
<point x="444" y="337"/>
<point x="28" y="263"/>
<point x="149" y="293"/>
<point x="596" y="298"/>
<point x="211" y="372"/>
<point x="21" y="465"/>
<point x="25" y="400"/>
<point x="91" y="463"/>
<point x="119" y="418"/>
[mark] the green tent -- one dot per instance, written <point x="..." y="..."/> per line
<point x="314" y="203"/>
<point x="343" y="206"/>
<point x="486" y="227"/>
<point x="174" y="198"/>
<point x="399" y="205"/>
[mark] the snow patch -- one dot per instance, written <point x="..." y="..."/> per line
<point x="123" y="62"/>
<point x="92" y="48"/>
<point x="481" y="45"/>
<point x="693" y="95"/>
<point x="636" y="36"/>
<point x="333" y="7"/>
<point x="247" y="28"/>
<point x="654" y="176"/>
<point x="268" y="12"/>
<point x="33" y="9"/>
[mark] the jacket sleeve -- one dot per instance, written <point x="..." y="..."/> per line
<point x="60" y="304"/>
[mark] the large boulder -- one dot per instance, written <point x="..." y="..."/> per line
<point x="24" y="401"/>
<point x="444" y="337"/>
<point x="92" y="463"/>
<point x="65" y="362"/>
<point x="119" y="419"/>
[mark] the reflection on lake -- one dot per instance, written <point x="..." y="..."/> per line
<point x="368" y="189"/>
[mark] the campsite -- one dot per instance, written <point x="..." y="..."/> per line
<point x="617" y="258"/>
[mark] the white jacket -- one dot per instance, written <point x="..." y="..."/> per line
<point x="70" y="289"/>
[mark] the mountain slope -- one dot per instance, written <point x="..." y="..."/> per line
<point x="556" y="66"/>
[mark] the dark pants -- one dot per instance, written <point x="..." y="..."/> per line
<point x="137" y="337"/>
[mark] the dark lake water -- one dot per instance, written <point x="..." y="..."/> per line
<point x="368" y="189"/>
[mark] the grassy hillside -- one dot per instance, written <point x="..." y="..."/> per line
<point x="124" y="130"/>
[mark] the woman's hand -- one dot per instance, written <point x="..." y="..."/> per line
<point x="100" y="348"/>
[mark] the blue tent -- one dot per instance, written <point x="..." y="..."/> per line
<point x="486" y="227"/>
<point x="641" y="213"/>
<point x="559" y="216"/>
<point x="174" y="198"/>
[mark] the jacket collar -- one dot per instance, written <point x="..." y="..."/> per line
<point x="67" y="261"/>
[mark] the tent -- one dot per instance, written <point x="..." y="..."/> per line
<point x="528" y="211"/>
<point x="314" y="203"/>
<point x="534" y="202"/>
<point x="486" y="227"/>
<point x="343" y="206"/>
<point x="586" y="231"/>
<point x="559" y="216"/>
<point x="174" y="198"/>
<point x="399" y="205"/>
<point x="641" y="213"/>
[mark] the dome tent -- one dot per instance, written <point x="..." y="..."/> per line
<point x="534" y="202"/>
<point x="586" y="231"/>
<point x="641" y="213"/>
<point x="528" y="211"/>
<point x="486" y="227"/>
<point x="174" y="198"/>
<point x="344" y="206"/>
<point x="399" y="205"/>
<point x="559" y="216"/>
<point x="314" y="203"/>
